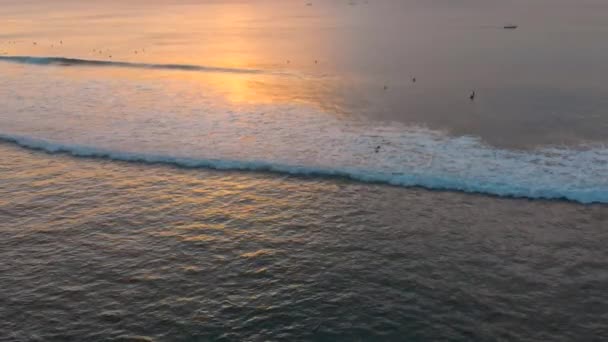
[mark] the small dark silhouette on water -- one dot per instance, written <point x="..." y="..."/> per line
<point x="472" y="97"/>
<point x="413" y="79"/>
<point x="378" y="148"/>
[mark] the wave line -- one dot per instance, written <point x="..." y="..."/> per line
<point x="427" y="181"/>
<point x="64" y="61"/>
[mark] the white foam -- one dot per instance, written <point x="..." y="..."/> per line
<point x="546" y="186"/>
<point x="189" y="124"/>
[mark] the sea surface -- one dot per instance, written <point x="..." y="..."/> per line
<point x="303" y="171"/>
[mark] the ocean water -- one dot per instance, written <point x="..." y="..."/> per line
<point x="269" y="170"/>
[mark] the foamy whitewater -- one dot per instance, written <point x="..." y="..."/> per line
<point x="174" y="121"/>
<point x="464" y="166"/>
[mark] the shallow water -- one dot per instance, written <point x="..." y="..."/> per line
<point x="540" y="84"/>
<point x="179" y="118"/>
<point x="267" y="170"/>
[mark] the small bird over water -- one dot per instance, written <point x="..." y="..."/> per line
<point x="413" y="79"/>
<point x="472" y="97"/>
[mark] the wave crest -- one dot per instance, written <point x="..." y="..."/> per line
<point x="64" y="61"/>
<point x="428" y="181"/>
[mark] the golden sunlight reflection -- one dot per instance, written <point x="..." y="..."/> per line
<point x="323" y="93"/>
<point x="294" y="64"/>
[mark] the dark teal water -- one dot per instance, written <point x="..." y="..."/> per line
<point x="98" y="250"/>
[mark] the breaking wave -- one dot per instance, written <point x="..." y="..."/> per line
<point x="498" y="185"/>
<point x="64" y="61"/>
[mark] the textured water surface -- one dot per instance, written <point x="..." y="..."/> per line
<point x="177" y="170"/>
<point x="95" y="250"/>
<point x="171" y="118"/>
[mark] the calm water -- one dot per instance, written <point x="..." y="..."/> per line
<point x="268" y="170"/>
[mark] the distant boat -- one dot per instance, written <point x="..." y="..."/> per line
<point x="510" y="27"/>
